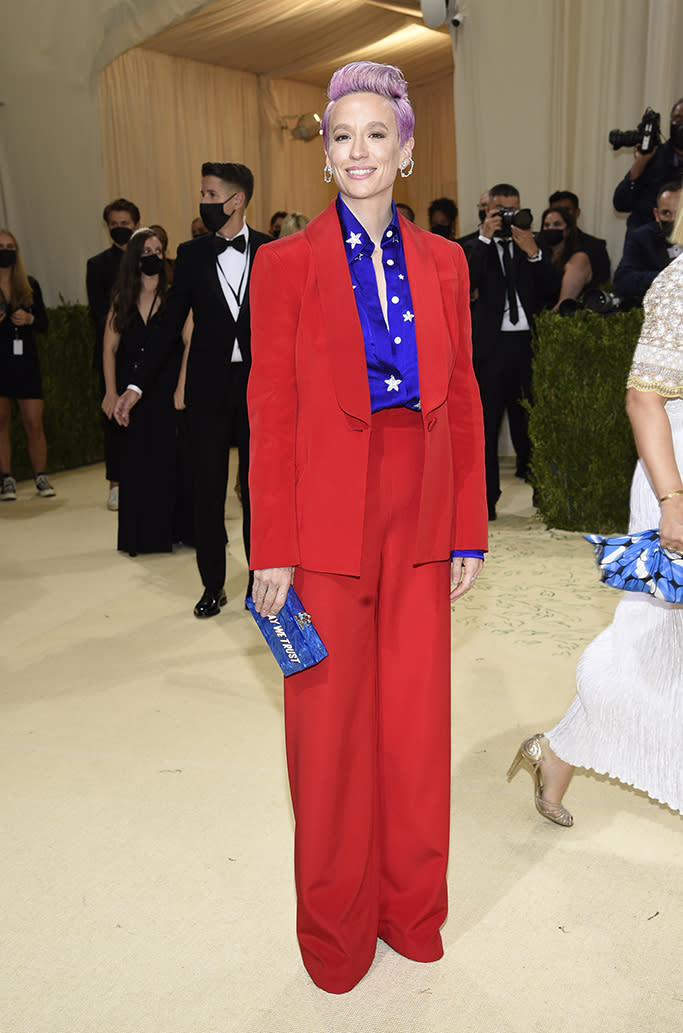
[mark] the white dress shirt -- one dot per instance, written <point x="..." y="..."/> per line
<point x="233" y="273"/>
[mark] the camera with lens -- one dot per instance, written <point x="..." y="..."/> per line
<point x="519" y="217"/>
<point x="603" y="303"/>
<point x="647" y="136"/>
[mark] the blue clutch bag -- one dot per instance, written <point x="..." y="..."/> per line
<point x="638" y="563"/>
<point x="291" y="636"/>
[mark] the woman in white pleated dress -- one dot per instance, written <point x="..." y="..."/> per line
<point x="626" y="719"/>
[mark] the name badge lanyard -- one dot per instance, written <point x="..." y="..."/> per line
<point x="237" y="294"/>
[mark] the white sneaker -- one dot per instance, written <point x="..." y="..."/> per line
<point x="43" y="487"/>
<point x="113" y="498"/>
<point x="8" y="492"/>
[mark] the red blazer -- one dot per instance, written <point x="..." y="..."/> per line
<point x="309" y="403"/>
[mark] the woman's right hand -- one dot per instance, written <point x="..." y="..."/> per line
<point x="270" y="589"/>
<point x="108" y="403"/>
<point x="671" y="524"/>
<point x="179" y="398"/>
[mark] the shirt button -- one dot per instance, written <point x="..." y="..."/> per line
<point x="394" y="300"/>
<point x="390" y="233"/>
<point x="397" y="340"/>
<point x="390" y="261"/>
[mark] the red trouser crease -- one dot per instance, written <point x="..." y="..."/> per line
<point x="368" y="735"/>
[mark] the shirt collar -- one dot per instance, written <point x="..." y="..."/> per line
<point x="356" y="239"/>
<point x="244" y="232"/>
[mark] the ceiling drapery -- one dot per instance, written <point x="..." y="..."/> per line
<point x="306" y="40"/>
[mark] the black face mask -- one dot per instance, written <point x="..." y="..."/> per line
<point x="552" y="237"/>
<point x="442" y="231"/>
<point x="213" y="215"/>
<point x="676" y="134"/>
<point x="121" y="235"/>
<point x="7" y="258"/>
<point x="482" y="213"/>
<point x="666" y="226"/>
<point x="151" y="265"/>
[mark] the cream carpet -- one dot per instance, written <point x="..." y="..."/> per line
<point x="146" y="879"/>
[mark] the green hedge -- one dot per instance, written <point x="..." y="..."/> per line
<point x="72" y="415"/>
<point x="583" y="450"/>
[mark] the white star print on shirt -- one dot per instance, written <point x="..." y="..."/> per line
<point x="392" y="383"/>
<point x="408" y="317"/>
<point x="355" y="238"/>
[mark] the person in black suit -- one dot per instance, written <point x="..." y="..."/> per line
<point x="595" y="247"/>
<point x="647" y="250"/>
<point x="513" y="280"/>
<point x="122" y="218"/>
<point x="211" y="280"/>
<point x="637" y="191"/>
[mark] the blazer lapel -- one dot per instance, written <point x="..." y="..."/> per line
<point x="343" y="331"/>
<point x="431" y="329"/>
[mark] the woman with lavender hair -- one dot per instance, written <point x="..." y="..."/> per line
<point x="367" y="481"/>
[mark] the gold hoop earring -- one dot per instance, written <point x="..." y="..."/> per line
<point x="327" y="173"/>
<point x="404" y="164"/>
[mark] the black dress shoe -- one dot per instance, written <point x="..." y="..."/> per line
<point x="210" y="603"/>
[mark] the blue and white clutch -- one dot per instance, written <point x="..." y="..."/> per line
<point x="638" y="563"/>
<point x="291" y="635"/>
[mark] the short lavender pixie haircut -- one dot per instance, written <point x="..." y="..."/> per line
<point x="370" y="77"/>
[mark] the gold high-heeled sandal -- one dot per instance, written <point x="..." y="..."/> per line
<point x="531" y="751"/>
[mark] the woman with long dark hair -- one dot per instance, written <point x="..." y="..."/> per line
<point x="572" y="265"/>
<point x="147" y="491"/>
<point x="22" y="313"/>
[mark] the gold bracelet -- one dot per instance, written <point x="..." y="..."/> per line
<point x="678" y="491"/>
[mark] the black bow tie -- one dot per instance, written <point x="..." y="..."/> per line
<point x="220" y="244"/>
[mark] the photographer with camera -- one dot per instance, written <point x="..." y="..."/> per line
<point x="655" y="164"/>
<point x="514" y="280"/>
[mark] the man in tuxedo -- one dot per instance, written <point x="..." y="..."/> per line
<point x="122" y="218"/>
<point x="513" y="281"/>
<point x="212" y="281"/>
<point x="647" y="250"/>
<point x="595" y="247"/>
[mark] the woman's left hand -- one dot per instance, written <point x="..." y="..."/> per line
<point x="20" y="317"/>
<point x="464" y="572"/>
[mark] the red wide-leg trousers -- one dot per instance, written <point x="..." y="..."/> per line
<point x="368" y="735"/>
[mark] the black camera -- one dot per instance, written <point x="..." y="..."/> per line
<point x="595" y="300"/>
<point x="519" y="217"/>
<point x="647" y="136"/>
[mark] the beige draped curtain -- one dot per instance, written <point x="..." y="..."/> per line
<point x="163" y="116"/>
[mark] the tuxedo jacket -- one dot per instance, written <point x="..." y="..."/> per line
<point x="537" y="285"/>
<point x="100" y="277"/>
<point x="645" y="255"/>
<point x="197" y="288"/>
<point x="309" y="403"/>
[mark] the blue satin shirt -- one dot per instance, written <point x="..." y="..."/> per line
<point x="390" y="351"/>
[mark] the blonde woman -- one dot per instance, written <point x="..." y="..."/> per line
<point x="22" y="314"/>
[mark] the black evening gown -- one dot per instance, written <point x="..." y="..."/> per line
<point x="149" y="449"/>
